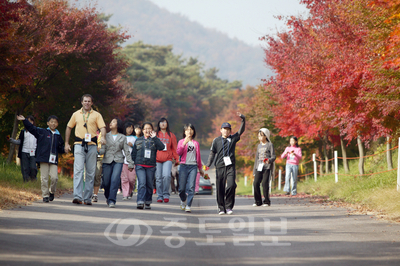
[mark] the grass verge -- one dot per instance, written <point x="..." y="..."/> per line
<point x="14" y="192"/>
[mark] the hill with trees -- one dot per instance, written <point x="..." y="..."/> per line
<point x="153" y="25"/>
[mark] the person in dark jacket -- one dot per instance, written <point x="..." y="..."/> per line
<point x="49" y="145"/>
<point x="144" y="153"/>
<point x="26" y="152"/>
<point x="223" y="151"/>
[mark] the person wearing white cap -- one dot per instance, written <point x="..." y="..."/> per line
<point x="263" y="164"/>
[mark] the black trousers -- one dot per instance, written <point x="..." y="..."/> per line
<point x="28" y="167"/>
<point x="262" y="178"/>
<point x="226" y="187"/>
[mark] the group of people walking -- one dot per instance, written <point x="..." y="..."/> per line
<point x="129" y="149"/>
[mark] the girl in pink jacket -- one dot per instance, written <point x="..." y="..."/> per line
<point x="189" y="152"/>
<point x="293" y="157"/>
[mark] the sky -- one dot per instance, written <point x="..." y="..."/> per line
<point x="246" y="20"/>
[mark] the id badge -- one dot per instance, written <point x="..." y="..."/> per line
<point x="165" y="147"/>
<point x="88" y="137"/>
<point x="260" y="167"/>
<point x="52" y="158"/>
<point x="32" y="152"/>
<point x="227" y="160"/>
<point x="147" y="153"/>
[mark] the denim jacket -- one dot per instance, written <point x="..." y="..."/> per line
<point x="154" y="144"/>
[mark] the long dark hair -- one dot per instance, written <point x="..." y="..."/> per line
<point x="120" y="125"/>
<point x="295" y="138"/>
<point x="126" y="125"/>
<point x="158" y="126"/>
<point x="186" y="127"/>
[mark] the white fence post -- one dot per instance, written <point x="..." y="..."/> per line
<point x="280" y="179"/>
<point x="315" y="167"/>
<point x="245" y="181"/>
<point x="336" y="168"/>
<point x="398" y="169"/>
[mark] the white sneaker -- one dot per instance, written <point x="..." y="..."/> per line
<point x="229" y="211"/>
<point x="183" y="205"/>
<point x="254" y="205"/>
<point x="266" y="205"/>
<point x="125" y="198"/>
<point x="187" y="209"/>
<point x="221" y="213"/>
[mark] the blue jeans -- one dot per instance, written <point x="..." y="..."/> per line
<point x="163" y="179"/>
<point x="111" y="180"/>
<point x="187" y="182"/>
<point x="294" y="169"/>
<point x="82" y="159"/>
<point x="145" y="177"/>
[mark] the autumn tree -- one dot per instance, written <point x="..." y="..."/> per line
<point x="71" y="52"/>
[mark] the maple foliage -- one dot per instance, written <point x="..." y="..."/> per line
<point x="64" y="52"/>
<point x="323" y="66"/>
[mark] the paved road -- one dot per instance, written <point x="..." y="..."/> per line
<point x="290" y="232"/>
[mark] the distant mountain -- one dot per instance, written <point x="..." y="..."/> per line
<point x="157" y="26"/>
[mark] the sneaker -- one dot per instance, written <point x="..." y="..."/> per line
<point x="140" y="206"/>
<point x="183" y="205"/>
<point x="87" y="203"/>
<point x="229" y="211"/>
<point x="51" y="198"/>
<point x="266" y="205"/>
<point x="111" y="205"/>
<point x="154" y="191"/>
<point x="94" y="198"/>
<point x="187" y="209"/>
<point x="287" y="193"/>
<point x="46" y="199"/>
<point x="221" y="213"/>
<point x="166" y="200"/>
<point x="159" y="200"/>
<point x="77" y="201"/>
<point x="124" y="198"/>
<point x="147" y="206"/>
<point x="130" y="195"/>
<point x="255" y="205"/>
<point x="119" y="191"/>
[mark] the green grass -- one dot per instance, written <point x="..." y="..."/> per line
<point x="241" y="188"/>
<point x="375" y="191"/>
<point x="14" y="192"/>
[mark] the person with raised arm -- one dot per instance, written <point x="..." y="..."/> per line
<point x="223" y="152"/>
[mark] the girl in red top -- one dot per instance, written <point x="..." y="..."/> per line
<point x="164" y="160"/>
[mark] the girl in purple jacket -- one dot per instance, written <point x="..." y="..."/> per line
<point x="292" y="154"/>
<point x="190" y="161"/>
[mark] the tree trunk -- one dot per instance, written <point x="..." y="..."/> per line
<point x="325" y="143"/>
<point x="321" y="166"/>
<point x="389" y="153"/>
<point x="13" y="135"/>
<point x="361" y="152"/>
<point x="344" y="155"/>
